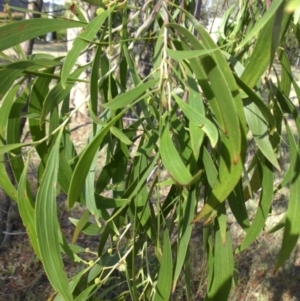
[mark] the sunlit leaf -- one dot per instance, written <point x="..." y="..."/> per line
<point x="46" y="223"/>
<point x="130" y="96"/>
<point x="21" y="31"/>
<point x="188" y="54"/>
<point x="120" y="135"/>
<point x="27" y="209"/>
<point x="292" y="5"/>
<point x="80" y="44"/>
<point x="262" y="22"/>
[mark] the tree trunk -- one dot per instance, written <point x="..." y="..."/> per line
<point x="80" y="91"/>
<point x="36" y="6"/>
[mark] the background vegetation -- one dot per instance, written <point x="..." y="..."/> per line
<point x="186" y="142"/>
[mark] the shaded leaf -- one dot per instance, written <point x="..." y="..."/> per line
<point x="172" y="161"/>
<point x="196" y="117"/>
<point x="292" y="221"/>
<point x="266" y="198"/>
<point x="164" y="280"/>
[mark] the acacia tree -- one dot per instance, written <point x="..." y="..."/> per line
<point x="201" y="106"/>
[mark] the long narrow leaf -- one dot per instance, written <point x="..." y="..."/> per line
<point x="222" y="269"/>
<point x="164" y="280"/>
<point x="21" y="31"/>
<point x="196" y="117"/>
<point x="172" y="161"/>
<point x="259" y="130"/>
<point x="47" y="227"/>
<point x="27" y="210"/>
<point x="263" y="208"/>
<point x="128" y="97"/>
<point x="262" y="22"/>
<point x="85" y="161"/>
<point x="292" y="222"/>
<point x="186" y="231"/>
<point x="81" y="43"/>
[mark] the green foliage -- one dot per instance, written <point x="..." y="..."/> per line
<point x="186" y="146"/>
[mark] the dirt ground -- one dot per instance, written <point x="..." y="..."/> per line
<point x="22" y="276"/>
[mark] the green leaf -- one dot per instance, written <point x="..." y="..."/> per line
<point x="90" y="229"/>
<point x="38" y="93"/>
<point x="225" y="183"/>
<point x="262" y="23"/>
<point x="292" y="222"/>
<point x="222" y="221"/>
<point x="224" y="87"/>
<point x="172" y="161"/>
<point x="265" y="202"/>
<point x="13" y="71"/>
<point x="47" y="227"/>
<point x="86" y="293"/>
<point x="130" y="96"/>
<point x="120" y="135"/>
<point x="237" y="205"/>
<point x="259" y="129"/>
<point x="196" y="117"/>
<point x="86" y="158"/>
<point x="13" y="136"/>
<point x="9" y="147"/>
<point x="261" y="55"/>
<point x="222" y="269"/>
<point x="27" y="210"/>
<point x="164" y="280"/>
<point x="94" y="2"/>
<point x="188" y="54"/>
<point x="254" y="97"/>
<point x="80" y="44"/>
<point x="210" y="168"/>
<point x="64" y="172"/>
<point x="5" y="180"/>
<point x="80" y="225"/>
<point x="58" y="94"/>
<point x="94" y="82"/>
<point x="108" y="203"/>
<point x="292" y="5"/>
<point x="109" y="170"/>
<point x="24" y="30"/>
<point x="196" y="103"/>
<point x="276" y="31"/>
<point x="185" y="227"/>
